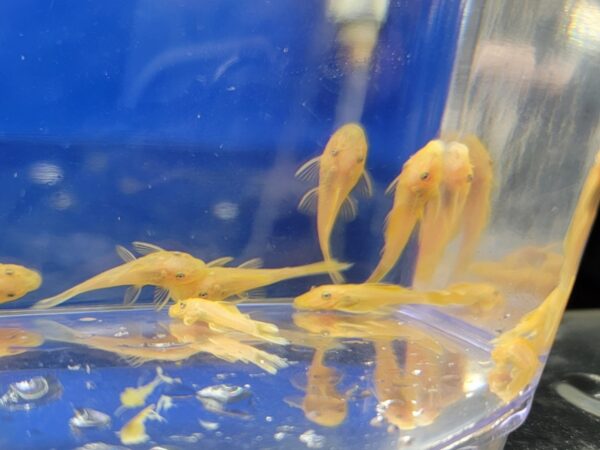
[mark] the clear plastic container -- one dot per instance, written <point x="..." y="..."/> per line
<point x="180" y="126"/>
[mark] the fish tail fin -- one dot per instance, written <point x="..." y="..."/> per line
<point x="54" y="301"/>
<point x="379" y="272"/>
<point x="330" y="266"/>
<point x="337" y="277"/>
<point x="267" y="361"/>
<point x="269" y="332"/>
<point x="55" y="331"/>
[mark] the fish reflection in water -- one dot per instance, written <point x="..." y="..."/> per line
<point x="14" y="341"/>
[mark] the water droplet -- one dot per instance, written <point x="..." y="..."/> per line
<point x="45" y="173"/>
<point x="226" y="210"/>
<point x="269" y="419"/>
<point x="416" y="372"/>
<point x="405" y="440"/>
<point x="417" y="412"/>
<point x="89" y="418"/>
<point x="101" y="446"/>
<point x="190" y="439"/>
<point x="210" y="426"/>
<point x="279" y="436"/>
<point x="28" y="394"/>
<point x="312" y="439"/>
<point x="224" y="393"/>
<point x="74" y="366"/>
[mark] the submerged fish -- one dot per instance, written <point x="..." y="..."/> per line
<point x="322" y="404"/>
<point x="173" y="273"/>
<point x="224" y="282"/>
<point x="373" y="297"/>
<point x="14" y="341"/>
<point x="340" y="169"/>
<point x="134" y="431"/>
<point x="417" y="186"/>
<point x="438" y="228"/>
<point x="17" y="281"/>
<point x="223" y="317"/>
<point x="134" y="397"/>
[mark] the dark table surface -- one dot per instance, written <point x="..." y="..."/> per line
<point x="573" y="369"/>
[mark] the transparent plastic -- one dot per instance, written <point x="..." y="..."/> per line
<point x="174" y="131"/>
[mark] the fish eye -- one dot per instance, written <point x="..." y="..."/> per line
<point x="203" y="294"/>
<point x="180" y="275"/>
<point x="424" y="176"/>
<point x="10" y="294"/>
<point x="9" y="272"/>
<point x="360" y="159"/>
<point x="326" y="295"/>
<point x="334" y="152"/>
<point x="182" y="305"/>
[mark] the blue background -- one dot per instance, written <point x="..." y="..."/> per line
<point x="182" y="122"/>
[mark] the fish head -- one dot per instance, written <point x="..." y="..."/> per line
<point x="325" y="410"/>
<point x="16" y="281"/>
<point x="210" y="290"/>
<point x="329" y="296"/>
<point x="179" y="309"/>
<point x="346" y="150"/>
<point x="180" y="269"/>
<point x="422" y="173"/>
<point x="17" y="337"/>
<point x="458" y="171"/>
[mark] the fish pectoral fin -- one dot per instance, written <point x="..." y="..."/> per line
<point x="145" y="248"/>
<point x="256" y="293"/>
<point x="219" y="262"/>
<point x="365" y="185"/>
<point x="392" y="185"/>
<point x="161" y="297"/>
<point x="349" y="209"/>
<point x="254" y="263"/>
<point x="309" y="171"/>
<point x="298" y="380"/>
<point x="294" y="402"/>
<point x="132" y="294"/>
<point x="125" y="254"/>
<point x="308" y="203"/>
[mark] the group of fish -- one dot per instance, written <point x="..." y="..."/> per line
<point x="442" y="194"/>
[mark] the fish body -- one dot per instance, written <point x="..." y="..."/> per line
<point x="224" y="282"/>
<point x="175" y="273"/>
<point x="14" y="341"/>
<point x="134" y="397"/>
<point x="134" y="431"/>
<point x="340" y="169"/>
<point x="477" y="207"/>
<point x="374" y="297"/>
<point x="439" y="227"/>
<point x="322" y="404"/>
<point x="223" y="316"/>
<point x="417" y="186"/>
<point x="17" y="281"/>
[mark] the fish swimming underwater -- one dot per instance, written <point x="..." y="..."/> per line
<point x="340" y="169"/>
<point x="374" y="297"/>
<point x="223" y="316"/>
<point x="134" y="431"/>
<point x="417" y="186"/>
<point x="14" y="341"/>
<point x="439" y="227"/>
<point x="17" y="281"/>
<point x="322" y="403"/>
<point x="134" y="397"/>
<point x="175" y="275"/>
<point x="220" y="283"/>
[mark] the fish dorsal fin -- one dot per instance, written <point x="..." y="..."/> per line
<point x="144" y="248"/>
<point x="294" y="402"/>
<point x="308" y="203"/>
<point x="132" y="294"/>
<point x="254" y="263"/>
<point x="161" y="297"/>
<point x="256" y="293"/>
<point x="309" y="171"/>
<point x="220" y="262"/>
<point x="365" y="185"/>
<point x="349" y="209"/>
<point x="390" y="189"/>
<point x="124" y="254"/>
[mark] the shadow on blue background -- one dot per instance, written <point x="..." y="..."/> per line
<point x="181" y="123"/>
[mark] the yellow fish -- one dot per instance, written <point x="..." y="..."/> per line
<point x="134" y="431"/>
<point x="17" y="281"/>
<point x="477" y="208"/>
<point x="322" y="404"/>
<point x="134" y="397"/>
<point x="228" y="348"/>
<point x="416" y="186"/>
<point x="224" y="317"/>
<point x="224" y="282"/>
<point x="438" y="228"/>
<point x="373" y="297"/>
<point x="174" y="274"/>
<point x="135" y="349"/>
<point x="14" y="341"/>
<point x="340" y="169"/>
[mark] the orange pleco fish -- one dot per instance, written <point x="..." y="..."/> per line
<point x="374" y="297"/>
<point x="417" y="185"/>
<point x="438" y="228"/>
<point x="322" y="403"/>
<point x="478" y="205"/>
<point x="175" y="274"/>
<point x="14" y="341"/>
<point x="340" y="169"/>
<point x="17" y="281"/>
<point x="224" y="282"/>
<point x="223" y="317"/>
<point x="134" y="431"/>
